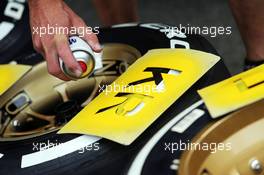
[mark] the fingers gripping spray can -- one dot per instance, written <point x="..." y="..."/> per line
<point x="84" y="55"/>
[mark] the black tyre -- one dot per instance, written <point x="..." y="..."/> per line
<point x="15" y="36"/>
<point x="103" y="156"/>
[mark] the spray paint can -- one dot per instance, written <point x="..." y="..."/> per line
<point x="84" y="55"/>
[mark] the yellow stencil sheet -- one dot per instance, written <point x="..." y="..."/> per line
<point x="235" y="92"/>
<point x="141" y="95"/>
<point x="9" y="74"/>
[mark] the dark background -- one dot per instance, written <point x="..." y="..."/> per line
<point x="193" y="12"/>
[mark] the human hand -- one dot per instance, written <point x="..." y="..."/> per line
<point x="56" y="13"/>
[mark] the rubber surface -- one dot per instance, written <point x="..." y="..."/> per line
<point x="112" y="158"/>
<point x="15" y="34"/>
